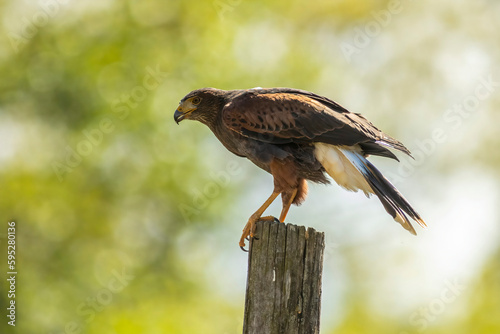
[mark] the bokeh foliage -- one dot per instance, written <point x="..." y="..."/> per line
<point x="127" y="205"/>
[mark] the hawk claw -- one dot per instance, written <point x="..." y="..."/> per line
<point x="268" y="219"/>
<point x="249" y="229"/>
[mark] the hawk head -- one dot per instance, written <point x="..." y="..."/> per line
<point x="201" y="105"/>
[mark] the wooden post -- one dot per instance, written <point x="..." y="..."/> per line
<point x="283" y="294"/>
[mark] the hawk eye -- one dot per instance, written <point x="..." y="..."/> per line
<point x="196" y="100"/>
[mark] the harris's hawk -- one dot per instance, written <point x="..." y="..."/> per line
<point x="297" y="136"/>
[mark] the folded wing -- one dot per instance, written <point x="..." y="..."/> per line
<point x="282" y="116"/>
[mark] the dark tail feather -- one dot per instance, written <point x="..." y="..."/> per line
<point x="377" y="149"/>
<point x="392" y="200"/>
<point x="393" y="143"/>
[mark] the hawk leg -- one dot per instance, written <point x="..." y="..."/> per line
<point x="287" y="202"/>
<point x="249" y="228"/>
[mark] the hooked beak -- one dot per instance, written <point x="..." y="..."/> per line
<point x="183" y="111"/>
<point x="179" y="115"/>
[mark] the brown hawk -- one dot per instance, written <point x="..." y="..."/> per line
<point x="297" y="136"/>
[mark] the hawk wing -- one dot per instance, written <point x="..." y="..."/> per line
<point x="281" y="116"/>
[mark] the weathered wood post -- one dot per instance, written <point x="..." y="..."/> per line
<point x="283" y="293"/>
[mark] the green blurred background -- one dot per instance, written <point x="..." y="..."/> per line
<point x="128" y="223"/>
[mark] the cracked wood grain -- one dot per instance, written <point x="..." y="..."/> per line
<point x="283" y="293"/>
